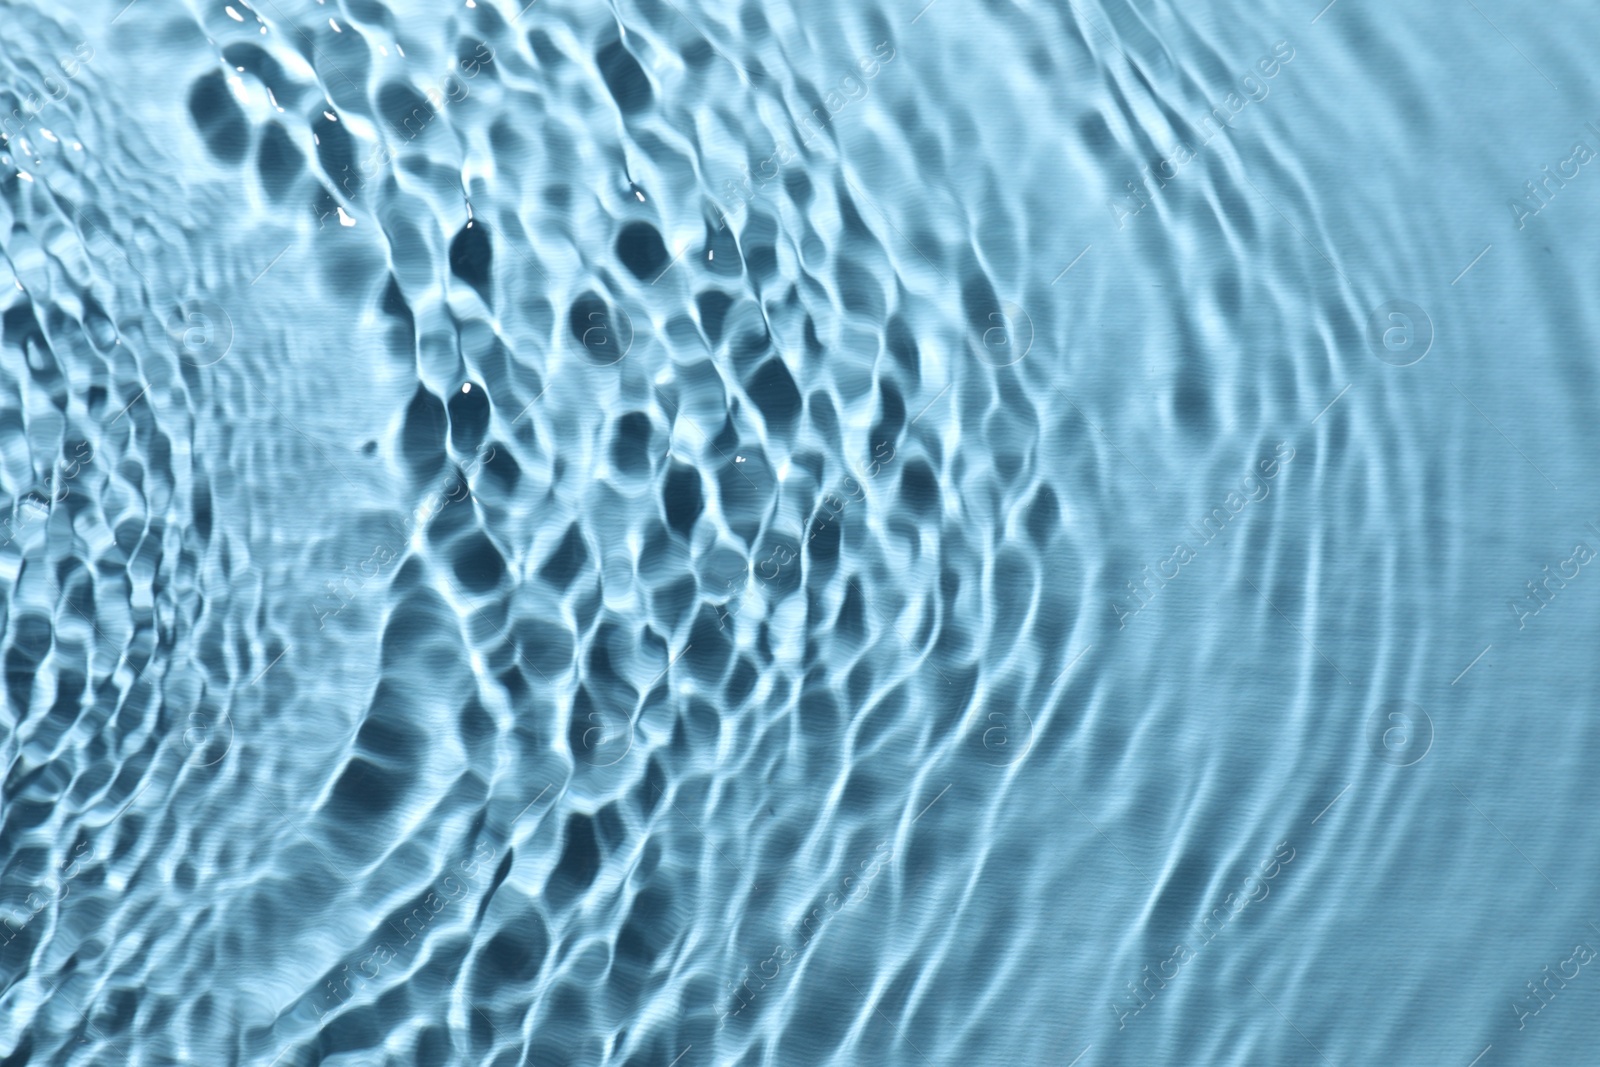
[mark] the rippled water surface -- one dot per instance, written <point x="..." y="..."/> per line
<point x="706" y="533"/>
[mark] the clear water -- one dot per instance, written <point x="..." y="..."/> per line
<point x="692" y="533"/>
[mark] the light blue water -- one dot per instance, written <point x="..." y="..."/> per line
<point x="702" y="534"/>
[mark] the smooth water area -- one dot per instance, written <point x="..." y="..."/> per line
<point x="702" y="533"/>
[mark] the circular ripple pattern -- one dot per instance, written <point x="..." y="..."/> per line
<point x="787" y="534"/>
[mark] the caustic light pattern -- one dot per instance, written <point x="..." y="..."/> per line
<point x="733" y="534"/>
